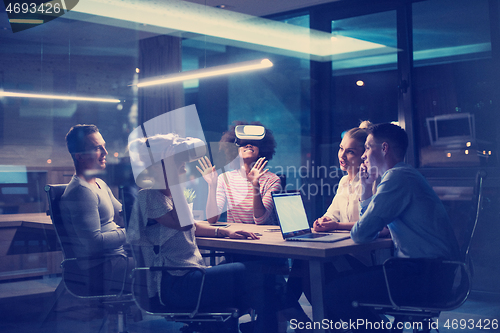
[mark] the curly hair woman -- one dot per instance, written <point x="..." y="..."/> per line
<point x="246" y="190"/>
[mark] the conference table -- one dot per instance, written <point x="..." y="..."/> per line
<point x="272" y="244"/>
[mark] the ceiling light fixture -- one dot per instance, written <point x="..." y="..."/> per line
<point x="58" y="97"/>
<point x="207" y="72"/>
<point x="226" y="27"/>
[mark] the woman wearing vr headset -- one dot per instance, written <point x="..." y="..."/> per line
<point x="246" y="191"/>
<point x="160" y="232"/>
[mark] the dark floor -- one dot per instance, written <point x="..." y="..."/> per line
<point x="480" y="308"/>
<point x="19" y="314"/>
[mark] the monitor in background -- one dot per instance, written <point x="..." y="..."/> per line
<point x="13" y="174"/>
<point x="451" y="129"/>
<point x="22" y="190"/>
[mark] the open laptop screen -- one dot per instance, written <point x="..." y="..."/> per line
<point x="291" y="213"/>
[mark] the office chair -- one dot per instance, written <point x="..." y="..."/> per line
<point x="76" y="283"/>
<point x="444" y="285"/>
<point x="196" y="319"/>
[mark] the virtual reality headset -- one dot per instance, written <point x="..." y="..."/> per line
<point x="249" y="134"/>
<point x="190" y="150"/>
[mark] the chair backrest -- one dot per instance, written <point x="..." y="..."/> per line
<point x="54" y="194"/>
<point x="79" y="282"/>
<point x="436" y="284"/>
<point x="477" y="202"/>
<point x="127" y="195"/>
<point x="75" y="283"/>
<point x="140" y="284"/>
<point x="139" y="287"/>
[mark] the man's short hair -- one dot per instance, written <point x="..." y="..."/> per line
<point x="394" y="135"/>
<point x="75" y="139"/>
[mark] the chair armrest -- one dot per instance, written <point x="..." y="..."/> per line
<point x="93" y="258"/>
<point x="100" y="257"/>
<point x="213" y="255"/>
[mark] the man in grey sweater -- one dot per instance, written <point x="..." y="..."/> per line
<point x="90" y="214"/>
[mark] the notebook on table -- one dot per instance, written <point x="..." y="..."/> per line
<point x="293" y="221"/>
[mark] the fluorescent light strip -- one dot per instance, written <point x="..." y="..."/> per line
<point x="59" y="97"/>
<point x="207" y="72"/>
<point x="223" y="26"/>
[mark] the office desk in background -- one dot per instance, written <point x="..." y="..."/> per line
<point x="28" y="246"/>
<point x="271" y="244"/>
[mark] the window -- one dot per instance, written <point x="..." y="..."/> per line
<point x="455" y="87"/>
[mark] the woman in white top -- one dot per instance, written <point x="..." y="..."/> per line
<point x="342" y="214"/>
<point x="344" y="210"/>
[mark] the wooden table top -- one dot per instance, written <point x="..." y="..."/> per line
<point x="271" y="243"/>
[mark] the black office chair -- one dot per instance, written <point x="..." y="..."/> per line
<point x="443" y="285"/>
<point x="196" y="319"/>
<point x="76" y="282"/>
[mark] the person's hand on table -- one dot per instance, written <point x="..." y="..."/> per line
<point x="239" y="234"/>
<point x="324" y="224"/>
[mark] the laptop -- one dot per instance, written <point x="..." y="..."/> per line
<point x="293" y="220"/>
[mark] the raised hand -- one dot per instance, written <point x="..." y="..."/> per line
<point x="257" y="171"/>
<point x="367" y="176"/>
<point x="207" y="170"/>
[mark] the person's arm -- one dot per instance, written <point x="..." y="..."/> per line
<point x="331" y="219"/>
<point x="203" y="230"/>
<point x="154" y="205"/>
<point x="391" y="199"/>
<point x="171" y="220"/>
<point x="211" y="177"/>
<point x="332" y="225"/>
<point x="272" y="184"/>
<point x="367" y="179"/>
<point x="253" y="176"/>
<point x="117" y="207"/>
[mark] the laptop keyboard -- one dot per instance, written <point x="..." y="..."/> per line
<point x="312" y="235"/>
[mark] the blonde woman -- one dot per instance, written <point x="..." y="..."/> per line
<point x="343" y="212"/>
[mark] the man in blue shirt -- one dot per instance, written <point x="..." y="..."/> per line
<point x="404" y="202"/>
<point x="407" y="205"/>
